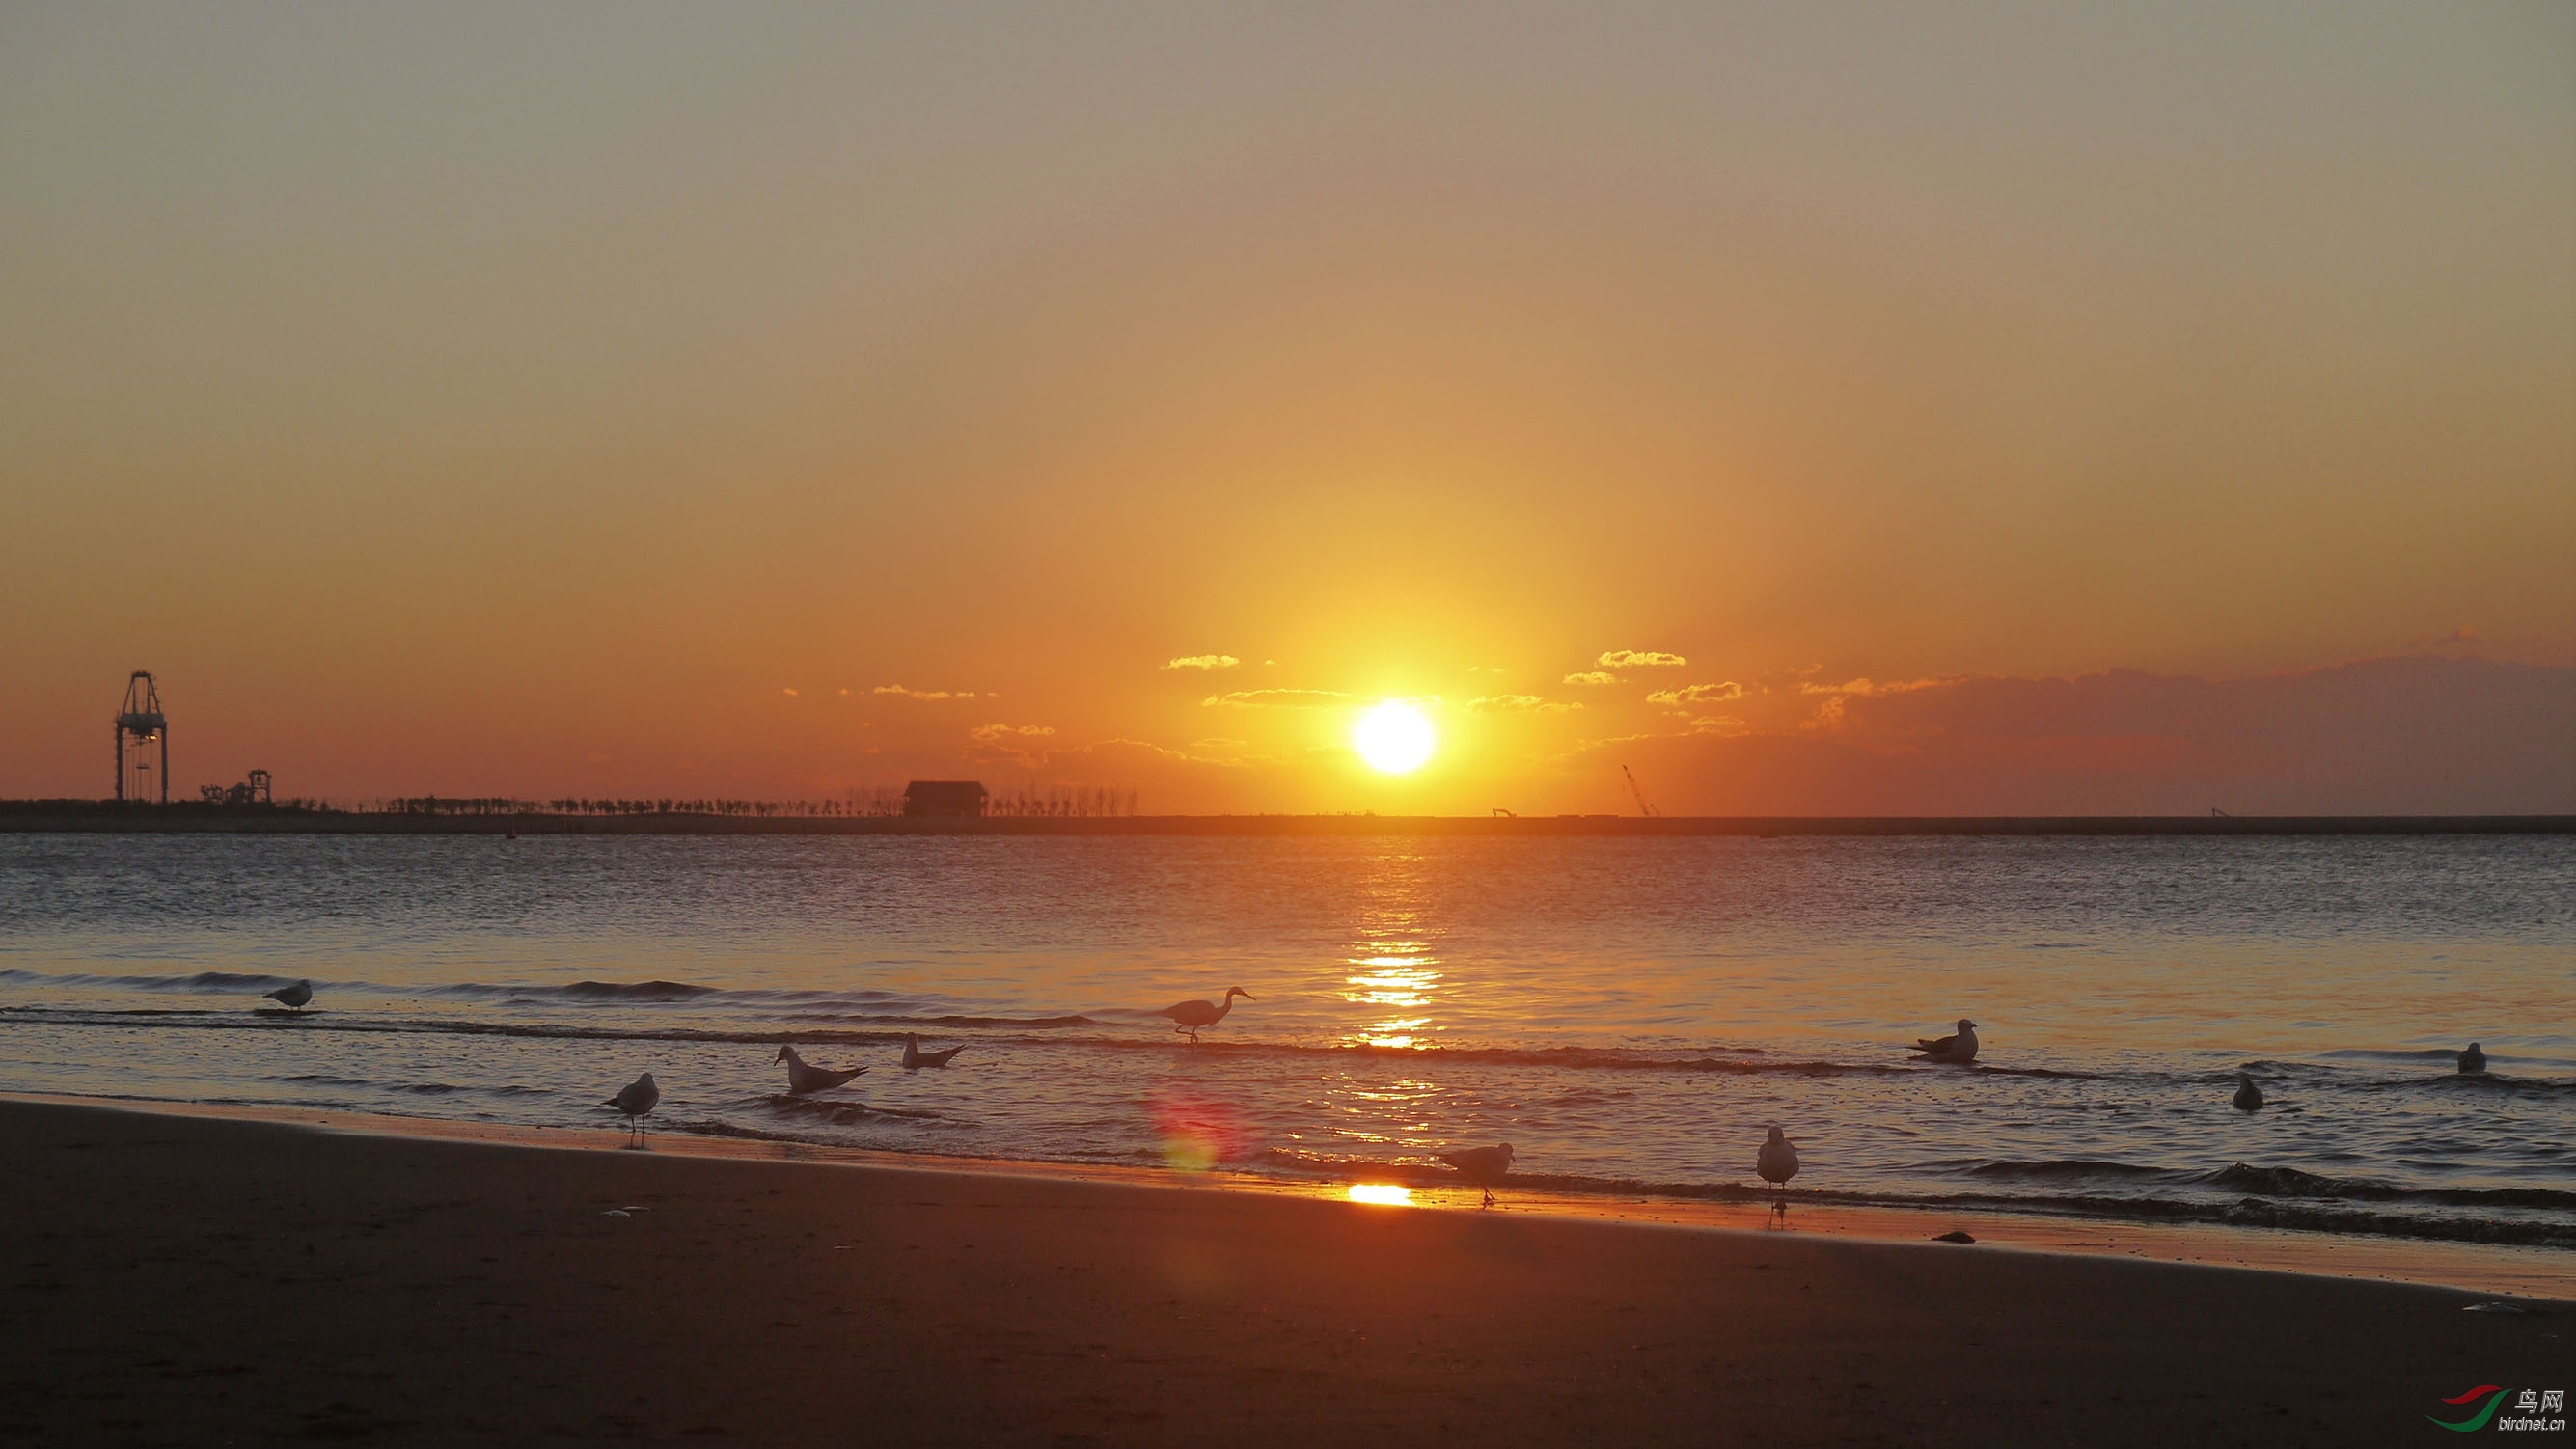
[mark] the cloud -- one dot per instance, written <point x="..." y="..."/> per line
<point x="996" y="733"/>
<point x="1640" y="659"/>
<point x="2420" y="735"/>
<point x="908" y="693"/>
<point x="1204" y="661"/>
<point x="1597" y="676"/>
<point x="1864" y="687"/>
<point x="791" y="694"/>
<point x="1278" y="699"/>
<point x="1717" y="693"/>
<point x="1517" y="703"/>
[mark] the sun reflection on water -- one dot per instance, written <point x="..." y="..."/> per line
<point x="1393" y="971"/>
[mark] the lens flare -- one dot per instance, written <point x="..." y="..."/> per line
<point x="1196" y="1134"/>
<point x="1395" y="738"/>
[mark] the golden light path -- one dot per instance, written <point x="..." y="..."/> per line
<point x="1395" y="738"/>
<point x="1384" y="1194"/>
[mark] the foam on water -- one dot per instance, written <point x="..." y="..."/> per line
<point x="1629" y="1013"/>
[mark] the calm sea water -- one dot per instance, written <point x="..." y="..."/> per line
<point x="1628" y="1013"/>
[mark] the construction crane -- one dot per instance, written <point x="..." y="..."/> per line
<point x="1643" y="808"/>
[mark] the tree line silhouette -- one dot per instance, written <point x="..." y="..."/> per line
<point x="1050" y="800"/>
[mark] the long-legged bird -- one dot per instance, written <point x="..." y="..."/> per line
<point x="1193" y="1016"/>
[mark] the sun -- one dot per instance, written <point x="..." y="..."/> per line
<point x="1394" y="738"/>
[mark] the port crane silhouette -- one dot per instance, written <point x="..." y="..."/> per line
<point x="1643" y="808"/>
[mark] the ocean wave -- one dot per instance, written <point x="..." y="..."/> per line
<point x="2291" y="1182"/>
<point x="840" y="1111"/>
<point x="222" y="983"/>
<point x="2066" y="1170"/>
<point x="2391" y="1220"/>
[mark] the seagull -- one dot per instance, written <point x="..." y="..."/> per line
<point x="2473" y="1061"/>
<point x="2249" y="1098"/>
<point x="302" y="991"/>
<point x="802" y="1078"/>
<point x="1777" y="1162"/>
<point x="1961" y="1048"/>
<point x="1193" y="1015"/>
<point x="636" y="1099"/>
<point x="914" y="1058"/>
<point x="1483" y="1166"/>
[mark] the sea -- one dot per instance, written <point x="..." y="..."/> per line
<point x="1630" y="1013"/>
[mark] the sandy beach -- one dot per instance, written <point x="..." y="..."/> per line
<point x="201" y="1280"/>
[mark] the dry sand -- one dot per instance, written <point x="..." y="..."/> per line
<point x="193" y="1280"/>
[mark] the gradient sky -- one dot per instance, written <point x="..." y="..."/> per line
<point x="626" y="400"/>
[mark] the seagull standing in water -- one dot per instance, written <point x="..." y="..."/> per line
<point x="1192" y="1016"/>
<point x="1483" y="1166"/>
<point x="914" y="1058"/>
<point x="802" y="1078"/>
<point x="294" y="997"/>
<point x="1777" y="1162"/>
<point x="636" y="1100"/>
<point x="2473" y="1061"/>
<point x="1961" y="1048"/>
<point x="2249" y="1098"/>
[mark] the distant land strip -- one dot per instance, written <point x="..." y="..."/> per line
<point x="109" y="817"/>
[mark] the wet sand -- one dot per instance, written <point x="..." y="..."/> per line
<point x="179" y="1279"/>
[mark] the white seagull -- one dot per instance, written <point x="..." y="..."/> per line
<point x="2473" y="1061"/>
<point x="1194" y="1015"/>
<point x="802" y="1078"/>
<point x="2249" y="1097"/>
<point x="1483" y="1166"/>
<point x="291" y="996"/>
<point x="636" y="1100"/>
<point x="914" y="1058"/>
<point x="1961" y="1048"/>
<point x="1777" y="1162"/>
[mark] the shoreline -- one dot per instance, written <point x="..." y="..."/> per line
<point x="187" y="1279"/>
<point x="71" y="817"/>
<point x="2515" y="1271"/>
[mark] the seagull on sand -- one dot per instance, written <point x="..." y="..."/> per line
<point x="2249" y="1098"/>
<point x="914" y="1058"/>
<point x="802" y="1078"/>
<point x="302" y="991"/>
<point x="1961" y="1048"/>
<point x="2473" y="1061"/>
<point x="1192" y="1016"/>
<point x="1483" y="1166"/>
<point x="1777" y="1162"/>
<point x="636" y="1099"/>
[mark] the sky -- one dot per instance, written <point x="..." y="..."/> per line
<point x="1818" y="409"/>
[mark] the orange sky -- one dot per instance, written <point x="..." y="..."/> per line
<point x="480" y="400"/>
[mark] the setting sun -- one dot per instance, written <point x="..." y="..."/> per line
<point x="1394" y="738"/>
